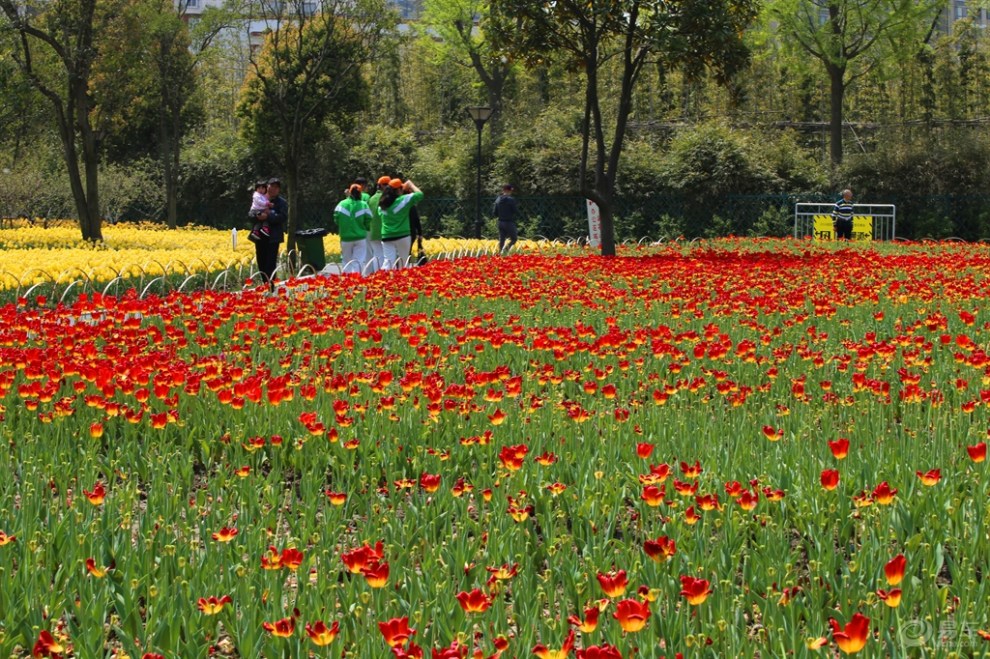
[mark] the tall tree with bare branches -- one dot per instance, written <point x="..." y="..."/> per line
<point x="309" y="69"/>
<point x="57" y="46"/>
<point x="846" y="37"/>
<point x="599" y="37"/>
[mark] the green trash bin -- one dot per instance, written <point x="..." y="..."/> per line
<point x="310" y="243"/>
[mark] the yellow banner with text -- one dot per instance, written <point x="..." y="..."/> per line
<point x="862" y="228"/>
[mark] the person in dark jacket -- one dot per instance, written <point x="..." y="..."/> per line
<point x="505" y="209"/>
<point x="266" y="250"/>
<point x="416" y="235"/>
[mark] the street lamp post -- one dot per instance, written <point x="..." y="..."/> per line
<point x="480" y="114"/>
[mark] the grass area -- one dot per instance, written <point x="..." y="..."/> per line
<point x="731" y="448"/>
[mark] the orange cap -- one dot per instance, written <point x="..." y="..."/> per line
<point x="396" y="183"/>
<point x="384" y="180"/>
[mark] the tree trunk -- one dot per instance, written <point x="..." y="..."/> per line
<point x="495" y="92"/>
<point x="170" y="163"/>
<point x="82" y="182"/>
<point x="67" y="135"/>
<point x="837" y="92"/>
<point x="293" y="197"/>
<point x="91" y="220"/>
<point x="607" y="213"/>
<point x="72" y="103"/>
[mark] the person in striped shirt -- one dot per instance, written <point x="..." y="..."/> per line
<point x="842" y="216"/>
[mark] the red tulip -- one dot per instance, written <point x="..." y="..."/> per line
<point x="694" y="590"/>
<point x="98" y="494"/>
<point x="894" y="570"/>
<point x="47" y="646"/>
<point x="605" y="651"/>
<point x="590" y="622"/>
<point x="512" y="457"/>
<point x="226" y="534"/>
<point x="707" y="502"/>
<point x="631" y="614"/>
<point x="412" y="651"/>
<point x="291" y="559"/>
<point x="357" y="559"/>
<point x="839" y="448"/>
<point x="977" y="453"/>
<point x="320" y="634"/>
<point x="283" y="628"/>
<point x="614" y="583"/>
<point x="892" y="598"/>
<point x="543" y="652"/>
<point x="545" y="459"/>
<point x="212" y="605"/>
<point x="336" y="498"/>
<point x="884" y="494"/>
<point x="396" y="631"/>
<point x="454" y="651"/>
<point x="691" y="471"/>
<point x="475" y="601"/>
<point x="98" y="572"/>
<point x="661" y="549"/>
<point x="748" y="500"/>
<point x="830" y="479"/>
<point x="376" y="574"/>
<point x="503" y="572"/>
<point x="429" y="482"/>
<point x="851" y="638"/>
<point x="653" y="496"/>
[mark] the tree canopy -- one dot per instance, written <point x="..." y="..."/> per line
<point x="594" y="36"/>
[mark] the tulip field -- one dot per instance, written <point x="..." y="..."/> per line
<point x="49" y="260"/>
<point x="735" y="448"/>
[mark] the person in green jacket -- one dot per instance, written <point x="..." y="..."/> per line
<point x="375" y="255"/>
<point x="393" y="207"/>
<point x="352" y="216"/>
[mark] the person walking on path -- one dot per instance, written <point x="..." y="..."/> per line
<point x="352" y="215"/>
<point x="842" y="216"/>
<point x="266" y="249"/>
<point x="505" y="209"/>
<point x="393" y="207"/>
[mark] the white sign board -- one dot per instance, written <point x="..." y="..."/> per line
<point x="594" y="225"/>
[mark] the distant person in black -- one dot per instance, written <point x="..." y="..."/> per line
<point x="505" y="209"/>
<point x="266" y="250"/>
<point x="416" y="235"/>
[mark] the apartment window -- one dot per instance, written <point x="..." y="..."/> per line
<point x="192" y="4"/>
<point x="308" y="8"/>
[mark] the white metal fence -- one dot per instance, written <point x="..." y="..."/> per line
<point x="870" y="222"/>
